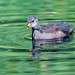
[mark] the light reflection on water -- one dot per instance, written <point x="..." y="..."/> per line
<point x="15" y="41"/>
<point x="58" y="64"/>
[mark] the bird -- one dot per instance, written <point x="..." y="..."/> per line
<point x="49" y="31"/>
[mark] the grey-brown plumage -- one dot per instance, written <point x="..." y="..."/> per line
<point x="50" y="31"/>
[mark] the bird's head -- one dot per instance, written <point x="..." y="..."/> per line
<point x="32" y="22"/>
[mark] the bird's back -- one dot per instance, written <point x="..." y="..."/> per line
<point x="61" y="26"/>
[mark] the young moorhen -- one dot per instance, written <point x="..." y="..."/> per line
<point x="50" y="31"/>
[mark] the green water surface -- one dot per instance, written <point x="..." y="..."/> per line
<point x="15" y="39"/>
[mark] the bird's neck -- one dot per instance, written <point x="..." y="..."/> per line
<point x="32" y="33"/>
<point x="38" y="28"/>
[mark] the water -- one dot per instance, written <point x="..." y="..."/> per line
<point x="15" y="39"/>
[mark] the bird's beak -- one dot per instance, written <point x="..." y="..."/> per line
<point x="29" y="26"/>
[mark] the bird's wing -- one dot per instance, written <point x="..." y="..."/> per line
<point x="62" y="26"/>
<point x="49" y="29"/>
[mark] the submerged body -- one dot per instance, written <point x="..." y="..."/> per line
<point x="50" y="31"/>
<point x="39" y="35"/>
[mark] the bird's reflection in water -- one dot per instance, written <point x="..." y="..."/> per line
<point x="48" y="45"/>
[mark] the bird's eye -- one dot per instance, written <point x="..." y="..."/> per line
<point x="32" y="20"/>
